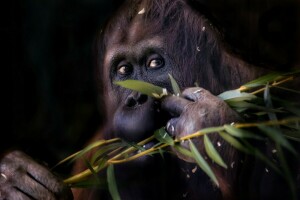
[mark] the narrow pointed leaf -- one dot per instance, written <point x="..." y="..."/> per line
<point x="236" y="95"/>
<point x="287" y="172"/>
<point x="183" y="151"/>
<point x="211" y="129"/>
<point x="234" y="142"/>
<point x="292" y="135"/>
<point x="202" y="163"/>
<point x="276" y="135"/>
<point x="247" y="105"/>
<point x="212" y="152"/>
<point x="175" y="87"/>
<point x="241" y="133"/>
<point x="263" y="80"/>
<point x="92" y="146"/>
<point x="90" y="167"/>
<point x="268" y="102"/>
<point x="162" y="136"/>
<point x="112" y="185"/>
<point x="142" y="87"/>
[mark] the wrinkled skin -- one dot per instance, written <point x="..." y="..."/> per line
<point x="196" y="109"/>
<point x="21" y="178"/>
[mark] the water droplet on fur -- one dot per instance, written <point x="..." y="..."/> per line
<point x="232" y="164"/>
<point x="203" y="28"/>
<point x="194" y="170"/>
<point x="267" y="170"/>
<point x="184" y="195"/>
<point x="141" y="11"/>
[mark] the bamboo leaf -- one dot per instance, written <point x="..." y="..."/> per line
<point x="112" y="185"/>
<point x="288" y="89"/>
<point x="162" y="136"/>
<point x="102" y="152"/>
<point x="175" y="87"/>
<point x="287" y="172"/>
<point x="136" y="146"/>
<point x="236" y="95"/>
<point x="234" y="142"/>
<point x="268" y="102"/>
<point x="277" y="137"/>
<point x="183" y="151"/>
<point x="292" y="135"/>
<point x="247" y="105"/>
<point x="212" y="152"/>
<point x="263" y="80"/>
<point x="241" y="133"/>
<point x="92" y="146"/>
<point x="202" y="163"/>
<point x="90" y="167"/>
<point x="143" y="87"/>
<point x="212" y="129"/>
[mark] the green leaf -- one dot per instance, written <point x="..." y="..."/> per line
<point x="102" y="152"/>
<point x="112" y="185"/>
<point x="292" y="135"/>
<point x="247" y="105"/>
<point x="263" y="80"/>
<point x="236" y="95"/>
<point x="202" y="163"/>
<point x="183" y="151"/>
<point x="162" y="136"/>
<point x="143" y="87"/>
<point x="241" y="133"/>
<point x="132" y="144"/>
<point x="90" y="167"/>
<point x="89" y="148"/>
<point x="175" y="87"/>
<point x="211" y="129"/>
<point x="234" y="142"/>
<point x="212" y="152"/>
<point x="269" y="103"/>
<point x="287" y="172"/>
<point x="277" y="137"/>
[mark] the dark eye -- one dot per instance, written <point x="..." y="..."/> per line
<point x="124" y="70"/>
<point x="156" y="63"/>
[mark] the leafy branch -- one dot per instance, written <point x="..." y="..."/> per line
<point x="245" y="100"/>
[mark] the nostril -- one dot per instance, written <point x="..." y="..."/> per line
<point x="135" y="99"/>
<point x="131" y="102"/>
<point x="142" y="98"/>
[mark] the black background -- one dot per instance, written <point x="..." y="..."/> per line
<point x="48" y="47"/>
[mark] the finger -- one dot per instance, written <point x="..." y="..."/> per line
<point x="174" y="104"/>
<point x="13" y="193"/>
<point x="38" y="172"/>
<point x="170" y="128"/>
<point x="31" y="188"/>
<point x="194" y="94"/>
